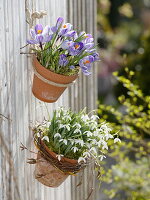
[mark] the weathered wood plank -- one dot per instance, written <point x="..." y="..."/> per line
<point x="82" y="15"/>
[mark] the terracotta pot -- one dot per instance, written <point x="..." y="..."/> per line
<point x="47" y="174"/>
<point x="45" y="91"/>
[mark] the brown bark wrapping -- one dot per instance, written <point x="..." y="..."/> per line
<point x="47" y="174"/>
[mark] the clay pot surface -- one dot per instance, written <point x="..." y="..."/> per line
<point x="47" y="174"/>
<point x="44" y="91"/>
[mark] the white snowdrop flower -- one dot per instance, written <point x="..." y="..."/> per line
<point x="67" y="117"/>
<point x="77" y="131"/>
<point x="93" y="125"/>
<point x="46" y="138"/>
<point x="64" y="126"/>
<point x="94" y="117"/>
<point x="88" y="145"/>
<point x="86" y="154"/>
<point x="68" y="127"/>
<point x="44" y="125"/>
<point x="48" y="124"/>
<point x="61" y="126"/>
<point x="59" y="156"/>
<point x="57" y="135"/>
<point x="72" y="141"/>
<point x="38" y="135"/>
<point x="104" y="125"/>
<point x="101" y="142"/>
<point x="96" y="133"/>
<point x="94" y="141"/>
<point x="81" y="159"/>
<point x="89" y="133"/>
<point x="108" y="136"/>
<point x="77" y="125"/>
<point x="79" y="141"/>
<point x="85" y="118"/>
<point x="101" y="136"/>
<point x="105" y="128"/>
<point x="58" y="121"/>
<point x="92" y="128"/>
<point x="101" y="157"/>
<point x="108" y="130"/>
<point x="100" y="129"/>
<point x="117" y="140"/>
<point x="75" y="149"/>
<point x="93" y="149"/>
<point x="104" y="142"/>
<point x="105" y="145"/>
<point x="64" y="141"/>
<point x="89" y="139"/>
<point x="63" y="118"/>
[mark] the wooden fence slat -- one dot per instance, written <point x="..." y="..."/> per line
<point x="82" y="15"/>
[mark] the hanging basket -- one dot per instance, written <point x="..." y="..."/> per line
<point x="47" y="85"/>
<point x="49" y="170"/>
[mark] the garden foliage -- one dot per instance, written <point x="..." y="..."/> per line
<point x="129" y="176"/>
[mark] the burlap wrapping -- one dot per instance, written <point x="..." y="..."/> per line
<point x="49" y="170"/>
<point x="47" y="174"/>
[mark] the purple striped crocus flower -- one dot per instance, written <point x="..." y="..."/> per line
<point x="58" y="25"/>
<point x="87" y="38"/>
<point x="90" y="51"/>
<point x="66" y="44"/>
<point x="65" y="29"/>
<point x="63" y="60"/>
<point x="72" y="67"/>
<point x="40" y="35"/>
<point x="96" y="56"/>
<point x="85" y="64"/>
<point x="70" y="34"/>
<point x="76" y="48"/>
<point x="75" y="36"/>
<point x="89" y="45"/>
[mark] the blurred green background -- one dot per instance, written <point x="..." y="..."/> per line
<point x="124" y="96"/>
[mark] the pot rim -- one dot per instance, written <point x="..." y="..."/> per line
<point x="54" y="155"/>
<point x="63" y="158"/>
